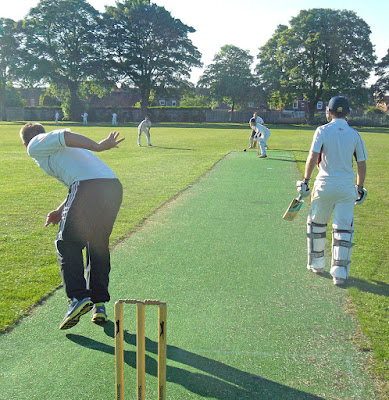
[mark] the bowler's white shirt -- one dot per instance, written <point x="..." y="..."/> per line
<point x="67" y="164"/>
<point x="338" y="143"/>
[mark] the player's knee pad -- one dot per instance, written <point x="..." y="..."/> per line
<point x="342" y="243"/>
<point x="316" y="239"/>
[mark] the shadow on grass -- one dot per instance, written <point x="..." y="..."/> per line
<point x="375" y="287"/>
<point x="292" y="160"/>
<point x="214" y="379"/>
<point x="273" y="156"/>
<point x="172" y="148"/>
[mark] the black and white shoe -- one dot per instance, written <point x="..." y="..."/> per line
<point x="99" y="314"/>
<point x="76" y="309"/>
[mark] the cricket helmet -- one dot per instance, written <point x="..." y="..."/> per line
<point x="339" y="104"/>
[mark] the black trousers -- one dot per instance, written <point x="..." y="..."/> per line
<point x="87" y="221"/>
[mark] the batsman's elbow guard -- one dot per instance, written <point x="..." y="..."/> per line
<point x="361" y="193"/>
<point x="303" y="188"/>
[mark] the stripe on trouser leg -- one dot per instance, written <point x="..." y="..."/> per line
<point x="71" y="196"/>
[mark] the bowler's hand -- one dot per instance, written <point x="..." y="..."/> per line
<point x="53" y="217"/>
<point x="110" y="142"/>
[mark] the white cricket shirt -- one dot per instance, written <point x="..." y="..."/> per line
<point x="259" y="120"/>
<point x="144" y="123"/>
<point x="338" y="143"/>
<point x="67" y="164"/>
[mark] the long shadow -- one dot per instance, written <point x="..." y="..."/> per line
<point x="377" y="287"/>
<point x="285" y="159"/>
<point x="172" y="148"/>
<point x="215" y="379"/>
<point x="295" y="150"/>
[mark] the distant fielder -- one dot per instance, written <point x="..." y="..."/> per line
<point x="144" y="127"/>
<point x="333" y="148"/>
<point x="85" y="118"/>
<point x="114" y="119"/>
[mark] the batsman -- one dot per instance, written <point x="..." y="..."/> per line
<point x="333" y="149"/>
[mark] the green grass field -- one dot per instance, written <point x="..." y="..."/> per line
<point x="152" y="176"/>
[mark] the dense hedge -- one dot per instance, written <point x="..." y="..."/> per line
<point x="181" y="114"/>
<point x="365" y="120"/>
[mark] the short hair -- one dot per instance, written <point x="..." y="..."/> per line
<point x="340" y="114"/>
<point x="29" y="130"/>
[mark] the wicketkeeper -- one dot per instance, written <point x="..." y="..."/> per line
<point x="86" y="216"/>
<point x="334" y="147"/>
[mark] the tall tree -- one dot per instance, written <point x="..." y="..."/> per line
<point x="324" y="52"/>
<point x="63" y="47"/>
<point x="381" y="87"/>
<point x="229" y="77"/>
<point x="9" y="51"/>
<point x="148" y="47"/>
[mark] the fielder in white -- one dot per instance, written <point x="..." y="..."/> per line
<point x="333" y="148"/>
<point x="144" y="127"/>
<point x="114" y="119"/>
<point x="85" y="118"/>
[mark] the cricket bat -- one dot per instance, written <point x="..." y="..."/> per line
<point x="293" y="209"/>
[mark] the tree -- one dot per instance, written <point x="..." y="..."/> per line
<point x="63" y="47"/>
<point x="271" y="73"/>
<point x="179" y="89"/>
<point x="381" y="87"/>
<point x="149" y="48"/>
<point x="229" y="77"/>
<point x="324" y="52"/>
<point x="9" y="51"/>
<point x="193" y="99"/>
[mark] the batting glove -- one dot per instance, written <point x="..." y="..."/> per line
<point x="303" y="188"/>
<point x="362" y="193"/>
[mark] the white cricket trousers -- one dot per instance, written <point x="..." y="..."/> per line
<point x="265" y="133"/>
<point x="334" y="198"/>
<point x="146" y="132"/>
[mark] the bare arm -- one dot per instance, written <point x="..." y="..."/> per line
<point x="310" y="164"/>
<point x="83" y="142"/>
<point x="54" y="217"/>
<point x="361" y="172"/>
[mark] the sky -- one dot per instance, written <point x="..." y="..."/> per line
<point x="247" y="24"/>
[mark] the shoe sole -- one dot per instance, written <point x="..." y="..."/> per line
<point x="99" y="318"/>
<point x="75" y="318"/>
